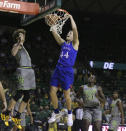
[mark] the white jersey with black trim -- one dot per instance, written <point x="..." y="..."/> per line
<point x="115" y="109"/>
<point x="23" y="58"/>
<point x="89" y="96"/>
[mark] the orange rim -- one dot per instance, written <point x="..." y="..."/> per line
<point x="62" y="10"/>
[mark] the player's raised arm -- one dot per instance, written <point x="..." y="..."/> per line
<point x="15" y="49"/>
<point x="75" y="32"/>
<point x="57" y="37"/>
<point x="20" y="40"/>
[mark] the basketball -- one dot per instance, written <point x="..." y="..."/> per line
<point x="51" y="19"/>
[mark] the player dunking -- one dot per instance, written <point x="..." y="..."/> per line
<point x="63" y="73"/>
<point x="25" y="76"/>
<point x="92" y="98"/>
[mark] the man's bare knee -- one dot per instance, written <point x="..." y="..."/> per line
<point x="68" y="98"/>
<point x="53" y="90"/>
<point x="66" y="93"/>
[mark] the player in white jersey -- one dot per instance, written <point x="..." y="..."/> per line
<point x="92" y="99"/>
<point x="25" y="78"/>
<point x="116" y="111"/>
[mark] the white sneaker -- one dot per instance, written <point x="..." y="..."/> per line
<point x="70" y="120"/>
<point x="54" y="117"/>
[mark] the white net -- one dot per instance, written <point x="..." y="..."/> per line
<point x="57" y="20"/>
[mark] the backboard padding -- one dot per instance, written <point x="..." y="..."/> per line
<point x="47" y="6"/>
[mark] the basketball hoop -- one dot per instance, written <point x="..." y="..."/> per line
<point x="57" y="19"/>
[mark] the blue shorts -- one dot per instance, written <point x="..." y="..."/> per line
<point x="63" y="77"/>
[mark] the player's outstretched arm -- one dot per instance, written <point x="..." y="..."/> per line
<point x="120" y="106"/>
<point x="101" y="96"/>
<point x="57" y="37"/>
<point x="2" y="96"/>
<point x="75" y="32"/>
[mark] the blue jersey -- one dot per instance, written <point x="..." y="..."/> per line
<point x="67" y="55"/>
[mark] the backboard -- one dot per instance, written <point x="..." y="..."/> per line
<point x="24" y="12"/>
<point x="46" y="6"/>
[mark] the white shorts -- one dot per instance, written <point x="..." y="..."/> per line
<point x="114" y="123"/>
<point x="92" y="115"/>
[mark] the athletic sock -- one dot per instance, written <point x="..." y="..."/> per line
<point x="56" y="111"/>
<point x="69" y="111"/>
